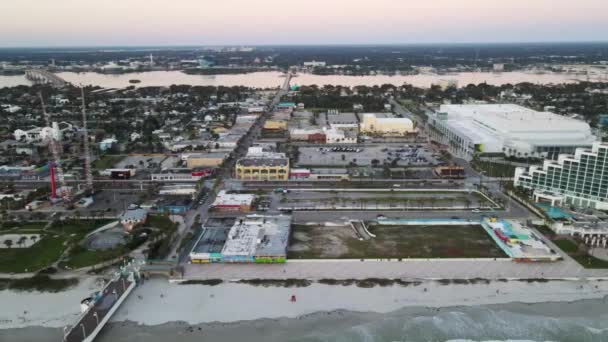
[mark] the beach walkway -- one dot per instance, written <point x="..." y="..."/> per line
<point x="405" y="269"/>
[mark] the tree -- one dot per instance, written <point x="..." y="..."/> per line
<point x="33" y="238"/>
<point x="21" y="241"/>
<point x="8" y="243"/>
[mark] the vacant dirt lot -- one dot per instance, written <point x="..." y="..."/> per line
<point x="319" y="242"/>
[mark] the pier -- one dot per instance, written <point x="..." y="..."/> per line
<point x="101" y="309"/>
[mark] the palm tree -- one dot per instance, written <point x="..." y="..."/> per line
<point x="21" y="241"/>
<point x="33" y="238"/>
<point x="8" y="243"/>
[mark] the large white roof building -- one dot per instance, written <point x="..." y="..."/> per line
<point x="510" y="129"/>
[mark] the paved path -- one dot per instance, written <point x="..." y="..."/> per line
<point x="408" y="269"/>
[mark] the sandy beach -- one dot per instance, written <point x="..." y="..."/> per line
<point x="158" y="310"/>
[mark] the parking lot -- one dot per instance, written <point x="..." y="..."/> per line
<point x="408" y="155"/>
<point x="387" y="199"/>
<point x="144" y="162"/>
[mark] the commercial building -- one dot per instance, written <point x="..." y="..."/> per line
<point x="274" y="128"/>
<point x="258" y="239"/>
<point x="339" y="136"/>
<point x="233" y="202"/>
<point x="181" y="175"/>
<point x="178" y="190"/>
<point x="330" y="174"/>
<point x="263" y="166"/>
<point x="211" y="159"/>
<point x="510" y="129"/>
<point x="307" y="134"/>
<point x="132" y="217"/>
<point x="372" y="124"/>
<point x="453" y="172"/>
<point x="341" y="120"/>
<point x="580" y="180"/>
<point x="208" y="248"/>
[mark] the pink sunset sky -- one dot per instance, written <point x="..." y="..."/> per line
<point x="214" y="22"/>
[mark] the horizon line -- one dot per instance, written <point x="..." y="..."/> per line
<point x="303" y="44"/>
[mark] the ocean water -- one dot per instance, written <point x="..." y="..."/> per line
<point x="471" y="324"/>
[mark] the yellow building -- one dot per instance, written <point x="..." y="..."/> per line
<point x="386" y="126"/>
<point x="275" y="125"/>
<point x="262" y="168"/>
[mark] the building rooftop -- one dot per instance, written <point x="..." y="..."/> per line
<point x="342" y="119"/>
<point x="134" y="215"/>
<point x="258" y="235"/>
<point x="211" y="241"/>
<point x="224" y="198"/>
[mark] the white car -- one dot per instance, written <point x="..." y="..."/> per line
<point x="475" y="211"/>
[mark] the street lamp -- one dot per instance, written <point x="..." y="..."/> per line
<point x="84" y="332"/>
<point x="96" y="317"/>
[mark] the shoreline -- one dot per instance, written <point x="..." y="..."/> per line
<point x="325" y="325"/>
<point x="198" y="303"/>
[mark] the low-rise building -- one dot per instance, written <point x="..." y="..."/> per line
<point x="181" y="175"/>
<point x="178" y="190"/>
<point x="372" y="124"/>
<point x="208" y="159"/>
<point x="330" y="174"/>
<point x="304" y="134"/>
<point x="233" y="202"/>
<point x="132" y="217"/>
<point x="340" y="136"/>
<point x="274" y="128"/>
<point x="265" y="166"/>
<point x="258" y="239"/>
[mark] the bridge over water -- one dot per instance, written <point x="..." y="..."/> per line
<point x="44" y="77"/>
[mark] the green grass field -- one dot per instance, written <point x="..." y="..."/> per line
<point x="107" y="161"/>
<point x="40" y="255"/>
<point x="48" y="249"/>
<point x="572" y="249"/>
<point x="566" y="245"/>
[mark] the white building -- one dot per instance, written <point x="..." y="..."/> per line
<point x="38" y="134"/>
<point x="373" y="124"/>
<point x="338" y="136"/>
<point x="578" y="180"/>
<point x="233" y="202"/>
<point x="510" y="129"/>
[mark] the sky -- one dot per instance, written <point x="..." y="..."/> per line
<point x="268" y="22"/>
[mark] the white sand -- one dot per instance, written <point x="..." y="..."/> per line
<point x="231" y="302"/>
<point x="22" y="309"/>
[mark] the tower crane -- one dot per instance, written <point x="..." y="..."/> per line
<point x="87" y="150"/>
<point x="56" y="171"/>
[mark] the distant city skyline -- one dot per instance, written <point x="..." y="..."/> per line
<point x="276" y="22"/>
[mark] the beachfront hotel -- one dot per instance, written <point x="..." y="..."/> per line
<point x="509" y="129"/>
<point x="580" y="180"/>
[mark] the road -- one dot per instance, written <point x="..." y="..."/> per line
<point x="223" y="173"/>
